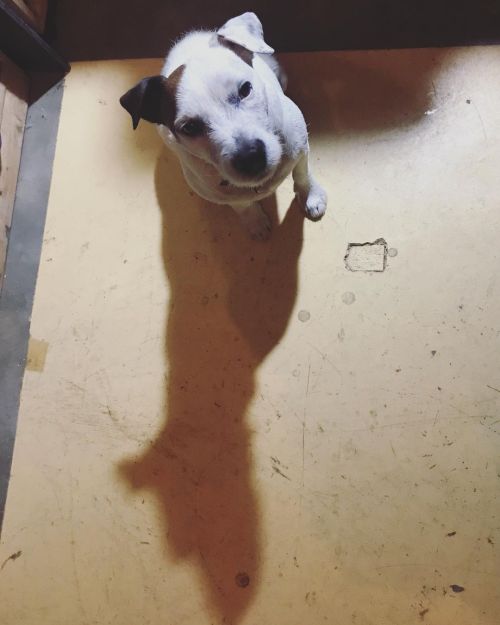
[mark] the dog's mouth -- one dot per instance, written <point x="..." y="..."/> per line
<point x="239" y="181"/>
<point x="256" y="187"/>
<point x="256" y="184"/>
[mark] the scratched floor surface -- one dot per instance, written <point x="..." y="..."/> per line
<point x="217" y="431"/>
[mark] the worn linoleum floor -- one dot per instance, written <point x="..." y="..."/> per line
<point x="218" y="431"/>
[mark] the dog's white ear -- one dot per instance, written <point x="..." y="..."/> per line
<point x="246" y="31"/>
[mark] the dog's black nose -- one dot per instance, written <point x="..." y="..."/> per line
<point x="251" y="158"/>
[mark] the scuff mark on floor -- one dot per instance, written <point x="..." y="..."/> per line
<point x="368" y="256"/>
<point x="37" y="353"/>
<point x="348" y="298"/>
<point x="242" y="580"/>
<point x="13" y="557"/>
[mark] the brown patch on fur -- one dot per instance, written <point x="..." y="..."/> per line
<point x="172" y="86"/>
<point x="174" y="79"/>
<point x="244" y="54"/>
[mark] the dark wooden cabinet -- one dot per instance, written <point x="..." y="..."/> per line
<point x="33" y="12"/>
<point x="14" y="91"/>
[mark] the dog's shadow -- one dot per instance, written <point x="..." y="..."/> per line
<point x="230" y="303"/>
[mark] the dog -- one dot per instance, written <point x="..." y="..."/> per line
<point x="220" y="105"/>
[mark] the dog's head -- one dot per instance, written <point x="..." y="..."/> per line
<point x="216" y="106"/>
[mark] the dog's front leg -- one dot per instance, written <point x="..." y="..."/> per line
<point x="254" y="220"/>
<point x="310" y="194"/>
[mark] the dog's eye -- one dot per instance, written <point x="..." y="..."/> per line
<point x="193" y="128"/>
<point x="245" y="89"/>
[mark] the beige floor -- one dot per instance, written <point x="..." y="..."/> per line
<point x="218" y="431"/>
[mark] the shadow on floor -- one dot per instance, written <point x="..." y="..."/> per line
<point x="351" y="93"/>
<point x="230" y="303"/>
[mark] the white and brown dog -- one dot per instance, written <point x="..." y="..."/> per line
<point x="220" y="107"/>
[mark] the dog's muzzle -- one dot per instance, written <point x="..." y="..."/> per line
<point x="251" y="158"/>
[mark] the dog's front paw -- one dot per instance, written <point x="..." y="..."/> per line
<point x="256" y="222"/>
<point x="315" y="202"/>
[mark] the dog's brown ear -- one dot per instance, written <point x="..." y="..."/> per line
<point x="246" y="31"/>
<point x="244" y="54"/>
<point x="153" y="99"/>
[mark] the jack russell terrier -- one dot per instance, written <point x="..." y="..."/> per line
<point x="220" y="106"/>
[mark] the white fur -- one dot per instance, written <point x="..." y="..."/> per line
<point x="211" y="74"/>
